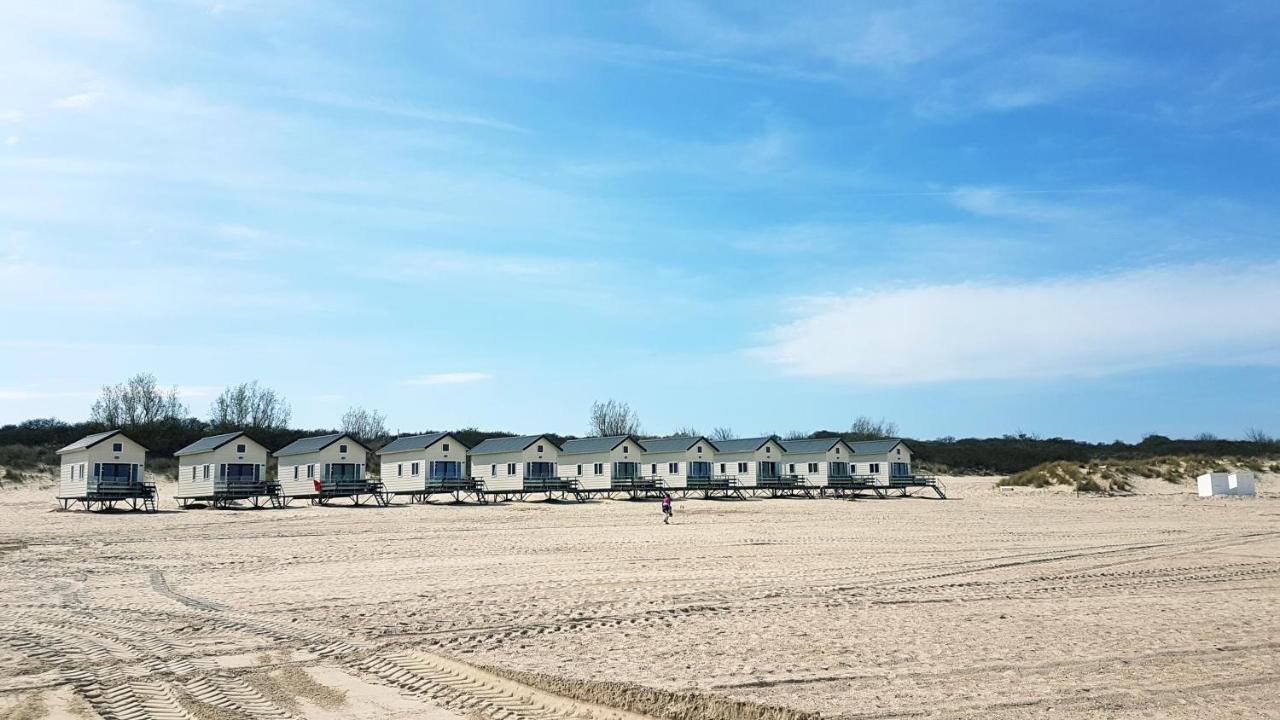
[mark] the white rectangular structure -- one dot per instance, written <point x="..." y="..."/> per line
<point x="596" y="462"/>
<point x="673" y="460"/>
<point x="103" y="462"/>
<point x="408" y="463"/>
<point x="749" y="460"/>
<point x="231" y="464"/>
<point x="1226" y="483"/>
<point x="503" y="463"/>
<point x="324" y="464"/>
<point x="815" y="461"/>
<point x="880" y="460"/>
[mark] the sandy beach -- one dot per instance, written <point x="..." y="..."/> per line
<point x="990" y="605"/>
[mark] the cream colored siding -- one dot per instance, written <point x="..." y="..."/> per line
<point x="502" y="480"/>
<point x="771" y="451"/>
<point x="627" y="451"/>
<point x="130" y="453"/>
<point x="303" y="485"/>
<point x="900" y="453"/>
<point x="396" y="469"/>
<point x="657" y="464"/>
<point x="815" y="468"/>
<point x="192" y="468"/>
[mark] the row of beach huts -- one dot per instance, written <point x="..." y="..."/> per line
<point x="105" y="470"/>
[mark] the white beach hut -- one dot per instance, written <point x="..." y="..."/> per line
<point x="418" y="464"/>
<point x="749" y="461"/>
<point x="1225" y="483"/>
<point x="675" y="461"/>
<point x="814" y="462"/>
<point x="504" y="464"/>
<point x="881" y="460"/>
<point x="596" y="463"/>
<point x="103" y="470"/>
<point x="221" y="469"/>
<point x="323" y="467"/>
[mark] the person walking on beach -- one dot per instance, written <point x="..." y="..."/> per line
<point x="666" y="508"/>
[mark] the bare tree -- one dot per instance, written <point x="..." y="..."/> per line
<point x="136" y="401"/>
<point x="613" y="417"/>
<point x="1257" y="435"/>
<point x="1206" y="437"/>
<point x="797" y="435"/>
<point x="723" y="433"/>
<point x="249" y="406"/>
<point x="364" y="425"/>
<point x="864" y="428"/>
<point x="686" y="431"/>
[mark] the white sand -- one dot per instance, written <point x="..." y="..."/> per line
<point x="1027" y="604"/>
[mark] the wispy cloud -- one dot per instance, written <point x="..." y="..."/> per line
<point x="1205" y="314"/>
<point x="451" y="378"/>
<point x="79" y="101"/>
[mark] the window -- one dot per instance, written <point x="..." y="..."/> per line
<point x="311" y="471"/>
<point x="342" y="449"/>
<point x="626" y="449"/>
<point x="721" y="468"/>
<point x="493" y="470"/>
<point x="837" y="449"/>
<point x="673" y="468"/>
<point x="241" y="448"/>
<point x="874" y="468"/>
<point x="768" y="449"/>
<point x="699" y="449"/>
<point x="539" y="448"/>
<point x="579" y="473"/>
<point x="511" y="468"/>
<point x="295" y="472"/>
<point x="742" y="467"/>
<point x="791" y="468"/>
<point x="399" y="469"/>
<point x="813" y="467"/>
<point x="598" y="469"/>
<point x="206" y="472"/>
<point x="117" y="447"/>
<point x="446" y="447"/>
<point x="653" y="468"/>
<point x="414" y="468"/>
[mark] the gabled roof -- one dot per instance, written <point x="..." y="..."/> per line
<point x="416" y="442"/>
<point x="677" y="443"/>
<point x="816" y="445"/>
<point x="493" y="446"/>
<point x="743" y="445"/>
<point x="874" y="447"/>
<point x="89" y="441"/>
<point x="583" y="446"/>
<point x="317" y="443"/>
<point x="209" y="444"/>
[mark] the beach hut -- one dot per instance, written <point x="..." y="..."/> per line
<point x="880" y="460"/>
<point x="750" y="461"/>
<point x="601" y="463"/>
<point x="104" y="470"/>
<point x="677" y="462"/>
<point x="422" y="465"/>
<point x="323" y="467"/>
<point x="221" y="469"/>
<point x="510" y="465"/>
<point x="815" y="462"/>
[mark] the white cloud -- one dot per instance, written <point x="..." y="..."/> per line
<point x="12" y="116"/>
<point x="999" y="202"/>
<point x="1208" y="314"/>
<point x="11" y="140"/>
<point x="79" y="101"/>
<point x="454" y="378"/>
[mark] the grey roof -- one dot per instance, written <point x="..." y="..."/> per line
<point x="415" y="442"/>
<point x="874" y="447"/>
<point x="208" y="444"/>
<point x="89" y="441"/>
<point x="816" y="445"/>
<point x="678" y="443"/>
<point x="742" y="445"/>
<point x="493" y="446"/>
<point x="314" y="444"/>
<point x="582" y="446"/>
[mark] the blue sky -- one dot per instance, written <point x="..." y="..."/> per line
<point x="971" y="219"/>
